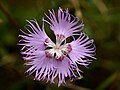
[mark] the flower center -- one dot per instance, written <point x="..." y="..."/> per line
<point x="57" y="50"/>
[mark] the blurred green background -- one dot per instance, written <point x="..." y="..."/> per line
<point x="102" y="23"/>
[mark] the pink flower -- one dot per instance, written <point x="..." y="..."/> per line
<point x="48" y="59"/>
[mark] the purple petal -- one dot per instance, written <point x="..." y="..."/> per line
<point x="63" y="24"/>
<point x="82" y="48"/>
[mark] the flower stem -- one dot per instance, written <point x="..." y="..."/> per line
<point x="8" y="15"/>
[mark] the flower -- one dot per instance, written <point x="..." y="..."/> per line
<point x="48" y="59"/>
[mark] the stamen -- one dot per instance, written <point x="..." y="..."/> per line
<point x="57" y="51"/>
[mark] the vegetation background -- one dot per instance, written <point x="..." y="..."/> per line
<point x="102" y="23"/>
